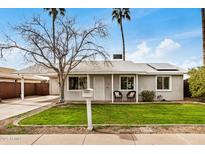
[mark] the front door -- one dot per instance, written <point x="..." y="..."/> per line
<point x="99" y="88"/>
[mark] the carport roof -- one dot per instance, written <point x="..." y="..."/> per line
<point x="7" y="74"/>
<point x="101" y="67"/>
<point x="18" y="77"/>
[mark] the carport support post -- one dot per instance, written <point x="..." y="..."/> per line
<point x="89" y="114"/>
<point x="22" y="88"/>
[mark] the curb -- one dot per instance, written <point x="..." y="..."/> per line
<point x="30" y="113"/>
<point x="118" y="125"/>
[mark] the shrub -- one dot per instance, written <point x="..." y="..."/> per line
<point x="147" y="96"/>
<point x="197" y="81"/>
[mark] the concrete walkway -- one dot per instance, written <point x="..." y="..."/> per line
<point x="13" y="107"/>
<point x="103" y="139"/>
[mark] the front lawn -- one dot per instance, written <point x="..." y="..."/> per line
<point x="121" y="114"/>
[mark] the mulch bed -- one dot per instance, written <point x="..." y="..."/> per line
<point x="9" y="129"/>
<point x="195" y="99"/>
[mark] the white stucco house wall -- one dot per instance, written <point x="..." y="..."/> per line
<point x="124" y="76"/>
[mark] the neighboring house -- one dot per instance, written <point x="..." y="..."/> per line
<point x="12" y="85"/>
<point x="165" y="79"/>
<point x="6" y="75"/>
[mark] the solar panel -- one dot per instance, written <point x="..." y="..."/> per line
<point x="163" y="67"/>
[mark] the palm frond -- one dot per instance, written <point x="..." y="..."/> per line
<point x="116" y="14"/>
<point x="126" y="13"/>
<point x="62" y="11"/>
<point x="55" y="11"/>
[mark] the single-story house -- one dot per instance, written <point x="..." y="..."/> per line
<point x="124" y="76"/>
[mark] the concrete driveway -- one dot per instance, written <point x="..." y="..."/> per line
<point x="13" y="107"/>
<point x="103" y="139"/>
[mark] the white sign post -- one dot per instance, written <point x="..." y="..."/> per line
<point x="89" y="114"/>
<point x="88" y="95"/>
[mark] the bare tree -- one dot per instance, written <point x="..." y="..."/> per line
<point x="72" y="45"/>
<point x="203" y="33"/>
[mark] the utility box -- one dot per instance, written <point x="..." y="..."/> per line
<point x="87" y="93"/>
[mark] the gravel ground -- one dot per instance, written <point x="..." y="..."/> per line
<point x="10" y="129"/>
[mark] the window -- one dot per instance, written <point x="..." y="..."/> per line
<point x="77" y="83"/>
<point x="127" y="82"/>
<point x="163" y="83"/>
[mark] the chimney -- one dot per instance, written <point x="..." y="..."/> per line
<point x="117" y="56"/>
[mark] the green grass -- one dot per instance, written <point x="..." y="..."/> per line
<point x="121" y="114"/>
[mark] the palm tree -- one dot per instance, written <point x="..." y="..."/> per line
<point x="119" y="14"/>
<point x="53" y="12"/>
<point x="203" y="33"/>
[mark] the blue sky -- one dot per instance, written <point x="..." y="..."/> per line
<point x="152" y="35"/>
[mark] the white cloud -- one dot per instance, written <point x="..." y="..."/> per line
<point x="167" y="45"/>
<point x="191" y="62"/>
<point x="144" y="53"/>
<point x="142" y="49"/>
<point x="188" y="34"/>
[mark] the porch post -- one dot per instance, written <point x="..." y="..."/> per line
<point x="136" y="87"/>
<point x="112" y="88"/>
<point x="22" y="88"/>
<point x="88" y="80"/>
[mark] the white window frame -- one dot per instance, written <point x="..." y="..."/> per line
<point x="78" y="77"/>
<point x="170" y="83"/>
<point x="120" y="82"/>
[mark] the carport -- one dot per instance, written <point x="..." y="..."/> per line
<point x="41" y="87"/>
<point x="14" y="86"/>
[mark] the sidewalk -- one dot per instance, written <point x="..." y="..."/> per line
<point x="102" y="139"/>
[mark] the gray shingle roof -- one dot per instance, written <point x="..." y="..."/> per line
<point x="100" y="67"/>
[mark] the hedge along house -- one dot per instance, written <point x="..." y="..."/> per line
<point x="123" y="76"/>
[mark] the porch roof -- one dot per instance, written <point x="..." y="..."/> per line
<point x="114" y="67"/>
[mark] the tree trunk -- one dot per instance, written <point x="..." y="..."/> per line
<point x="54" y="44"/>
<point x="203" y="33"/>
<point x="61" y="88"/>
<point x="62" y="98"/>
<point x="123" y="40"/>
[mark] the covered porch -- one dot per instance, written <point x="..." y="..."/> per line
<point x="104" y="86"/>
